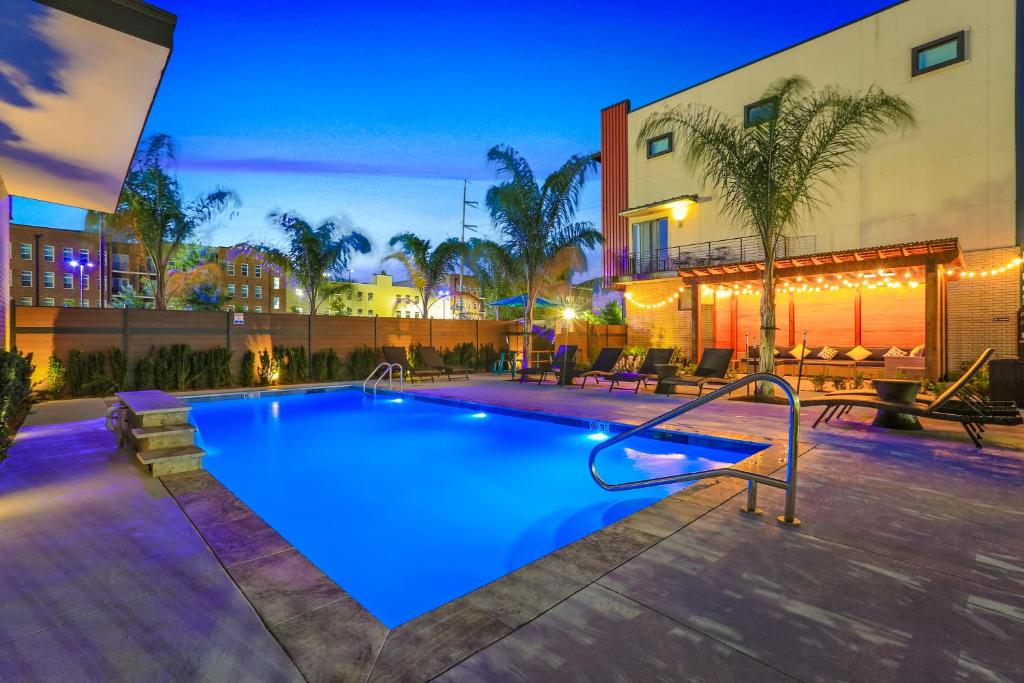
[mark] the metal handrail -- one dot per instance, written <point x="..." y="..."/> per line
<point x="789" y="514"/>
<point x="388" y="372"/>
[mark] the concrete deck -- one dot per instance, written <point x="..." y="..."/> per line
<point x="909" y="566"/>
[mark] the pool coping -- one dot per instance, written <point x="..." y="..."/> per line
<point x="329" y="635"/>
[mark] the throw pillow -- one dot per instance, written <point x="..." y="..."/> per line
<point x="894" y="352"/>
<point x="858" y="353"/>
<point x="917" y="351"/>
<point x="799" y="351"/>
<point x="827" y="353"/>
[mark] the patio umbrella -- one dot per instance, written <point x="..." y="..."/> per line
<point x="520" y="300"/>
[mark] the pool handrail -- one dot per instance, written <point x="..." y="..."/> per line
<point x="388" y="373"/>
<point x="789" y="513"/>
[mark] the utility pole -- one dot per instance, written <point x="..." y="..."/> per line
<point x="461" y="301"/>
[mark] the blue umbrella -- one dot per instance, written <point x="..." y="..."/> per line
<point x="521" y="301"/>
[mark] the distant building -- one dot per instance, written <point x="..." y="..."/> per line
<point x="380" y="297"/>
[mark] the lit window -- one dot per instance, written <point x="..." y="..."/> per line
<point x="760" y="111"/>
<point x="245" y="308"/>
<point x="69" y="281"/>
<point x="25" y="301"/>
<point x="48" y="301"/>
<point x="258" y="291"/>
<point x="26" y="251"/>
<point x="68" y="254"/>
<point x="231" y="268"/>
<point x="231" y="290"/>
<point x="277" y="283"/>
<point x="257" y="309"/>
<point x="68" y="303"/>
<point x="277" y="303"/>
<point x="659" y="145"/>
<point x="939" y="53"/>
<point x="85" y="303"/>
<point x="26" y="278"/>
<point x="48" y="280"/>
<point x="258" y="270"/>
<point x="245" y="270"/>
<point x="85" y="282"/>
<point x="83" y="255"/>
<point x="48" y="253"/>
<point x="245" y="291"/>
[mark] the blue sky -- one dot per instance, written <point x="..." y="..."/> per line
<point x="375" y="112"/>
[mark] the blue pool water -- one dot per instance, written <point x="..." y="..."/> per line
<point x="408" y="504"/>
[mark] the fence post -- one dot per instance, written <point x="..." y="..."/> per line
<point x="375" y="347"/>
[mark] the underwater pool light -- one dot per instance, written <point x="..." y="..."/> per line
<point x="597" y="436"/>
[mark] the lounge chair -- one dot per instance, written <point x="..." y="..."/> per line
<point x="956" y="404"/>
<point x="648" y="371"/>
<point x="563" y="357"/>
<point x="713" y="366"/>
<point x="603" y="366"/>
<point x="396" y="355"/>
<point x="432" y="359"/>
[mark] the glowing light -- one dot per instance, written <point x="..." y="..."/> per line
<point x="73" y="264"/>
<point x="680" y="209"/>
<point x="568" y="313"/>
<point x="477" y="415"/>
<point x="598" y="436"/>
<point x="395" y="400"/>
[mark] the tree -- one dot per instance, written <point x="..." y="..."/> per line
<point x="127" y="297"/>
<point x="770" y="176"/>
<point x="540" y="239"/>
<point x="205" y="296"/>
<point x="151" y="211"/>
<point x="610" y="314"/>
<point x="428" y="268"/>
<point x="314" y="254"/>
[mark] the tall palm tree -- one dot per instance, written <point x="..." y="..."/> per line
<point x="428" y="268"/>
<point x="770" y="176"/>
<point x="541" y="241"/>
<point x="314" y="254"/>
<point x="152" y="213"/>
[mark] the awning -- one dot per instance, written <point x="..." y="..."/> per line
<point x="681" y="202"/>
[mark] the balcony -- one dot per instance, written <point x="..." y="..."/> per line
<point x="714" y="253"/>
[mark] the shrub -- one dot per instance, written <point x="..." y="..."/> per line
<point x="858" y="380"/>
<point x="292" y="363"/>
<point x="269" y="370"/>
<point x="145" y="371"/>
<point x="118" y="369"/>
<point x="85" y="368"/>
<point x="361" y="362"/>
<point x="463" y="354"/>
<point x="486" y="357"/>
<point x="818" y="381"/>
<point x="247" y="374"/>
<point x="56" y="376"/>
<point x="325" y="366"/>
<point x="839" y="383"/>
<point x="15" y="394"/>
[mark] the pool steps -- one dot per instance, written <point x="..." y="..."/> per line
<point x="156" y="425"/>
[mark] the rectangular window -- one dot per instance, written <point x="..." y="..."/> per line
<point x="69" y="281"/>
<point x="48" y="301"/>
<point x="939" y="53"/>
<point x="277" y="303"/>
<point x="258" y="291"/>
<point x="245" y="308"/>
<point x="85" y="282"/>
<point x="257" y="270"/>
<point x="359" y="296"/>
<point x="245" y="291"/>
<point x="759" y="112"/>
<point x="245" y="270"/>
<point x="83" y="255"/>
<point x="48" y="254"/>
<point x="369" y="312"/>
<point x="172" y="264"/>
<point x="48" y="280"/>
<point x="68" y="254"/>
<point x="231" y="290"/>
<point x="121" y="284"/>
<point x="150" y="265"/>
<point x="277" y="283"/>
<point x="85" y="303"/>
<point x="359" y="311"/>
<point x="68" y="303"/>
<point x="650" y="237"/>
<point x="369" y="296"/>
<point x="25" y="301"/>
<point x="231" y="268"/>
<point x="257" y="309"/>
<point x="26" y="278"/>
<point x="119" y="262"/>
<point x="26" y="251"/>
<point x="659" y="145"/>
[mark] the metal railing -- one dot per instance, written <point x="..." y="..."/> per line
<point x="382" y="371"/>
<point x="789" y="513"/>
<point x="714" y="253"/>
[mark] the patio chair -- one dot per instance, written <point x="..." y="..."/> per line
<point x="956" y="404"/>
<point x="648" y="371"/>
<point x="714" y="364"/>
<point x="432" y="359"/>
<point x="396" y="355"/>
<point x="603" y="367"/>
<point x="563" y="356"/>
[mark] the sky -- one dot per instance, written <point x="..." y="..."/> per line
<point x="376" y="112"/>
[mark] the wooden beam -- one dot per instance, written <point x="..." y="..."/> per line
<point x="934" y="321"/>
<point x="695" y="320"/>
<point x="856" y="317"/>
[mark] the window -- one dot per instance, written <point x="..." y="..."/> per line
<point x="369" y="312"/>
<point x="48" y="280"/>
<point x="257" y="270"/>
<point x="277" y="283"/>
<point x="659" y="145"/>
<point x="348" y="295"/>
<point x="359" y="311"/>
<point x="231" y="290"/>
<point x="26" y="251"/>
<point x="276" y="303"/>
<point x="245" y="291"/>
<point x="69" y="281"/>
<point x="759" y="112"/>
<point x="68" y="303"/>
<point x="48" y="301"/>
<point x="245" y="270"/>
<point x="68" y="253"/>
<point x="26" y="278"/>
<point x="245" y="308"/>
<point x="650" y="236"/>
<point x="231" y="268"/>
<point x="258" y="291"/>
<point x="85" y="303"/>
<point x="85" y="282"/>
<point x="417" y="314"/>
<point x="83" y="255"/>
<point x="359" y="296"/>
<point x="257" y="309"/>
<point x="121" y="284"/>
<point x="119" y="262"/>
<point x="172" y="264"/>
<point x="939" y="53"/>
<point x="48" y="253"/>
<point x="369" y="296"/>
<point x="25" y="301"/>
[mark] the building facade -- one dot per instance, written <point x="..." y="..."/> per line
<point x="928" y="221"/>
<point x="380" y="297"/>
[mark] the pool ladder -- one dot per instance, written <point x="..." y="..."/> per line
<point x="382" y="372"/>
<point x="789" y="484"/>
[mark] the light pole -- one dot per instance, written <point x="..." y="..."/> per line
<point x="567" y="315"/>
<point x="81" y="266"/>
<point x="471" y="228"/>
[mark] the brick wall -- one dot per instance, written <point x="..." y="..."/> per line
<point x="973" y="305"/>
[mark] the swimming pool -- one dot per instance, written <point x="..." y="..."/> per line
<point x="408" y="504"/>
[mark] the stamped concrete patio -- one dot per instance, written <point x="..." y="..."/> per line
<point x="909" y="566"/>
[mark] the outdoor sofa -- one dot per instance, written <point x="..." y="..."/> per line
<point x="820" y="358"/>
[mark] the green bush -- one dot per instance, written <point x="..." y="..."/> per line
<point x="15" y="394"/>
<point x="325" y="366"/>
<point x="858" y="380"/>
<point x="819" y="381"/>
<point x="292" y="363"/>
<point x="247" y="374"/>
<point x="486" y="357"/>
<point x="361" y="362"/>
<point x="268" y="370"/>
<point x="86" y="369"/>
<point x="118" y="369"/>
<point x="839" y="383"/>
<point x="56" y="376"/>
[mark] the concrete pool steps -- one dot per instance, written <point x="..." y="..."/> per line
<point x="159" y="431"/>
<point x="162" y="461"/>
<point x="162" y="436"/>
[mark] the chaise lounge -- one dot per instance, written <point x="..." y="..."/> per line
<point x="648" y="371"/>
<point x="432" y="360"/>
<point x="603" y="366"/>
<point x="396" y="356"/>
<point x="714" y="364"/>
<point x="563" y="358"/>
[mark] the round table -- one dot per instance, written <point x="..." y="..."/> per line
<point x="901" y="391"/>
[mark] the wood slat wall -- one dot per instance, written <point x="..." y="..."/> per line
<point x="892" y="317"/>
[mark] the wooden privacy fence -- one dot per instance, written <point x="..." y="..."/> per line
<point x="46" y="331"/>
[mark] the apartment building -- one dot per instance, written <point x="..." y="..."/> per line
<point x="51" y="267"/>
<point x="918" y="244"/>
<point x="380" y="297"/>
<point x="253" y="285"/>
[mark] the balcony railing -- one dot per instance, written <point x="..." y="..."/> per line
<point x="714" y="253"/>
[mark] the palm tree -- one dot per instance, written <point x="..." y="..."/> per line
<point x="314" y="254"/>
<point x="771" y="175"/>
<point x="428" y="268"/>
<point x="152" y="213"/>
<point x="541" y="242"/>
